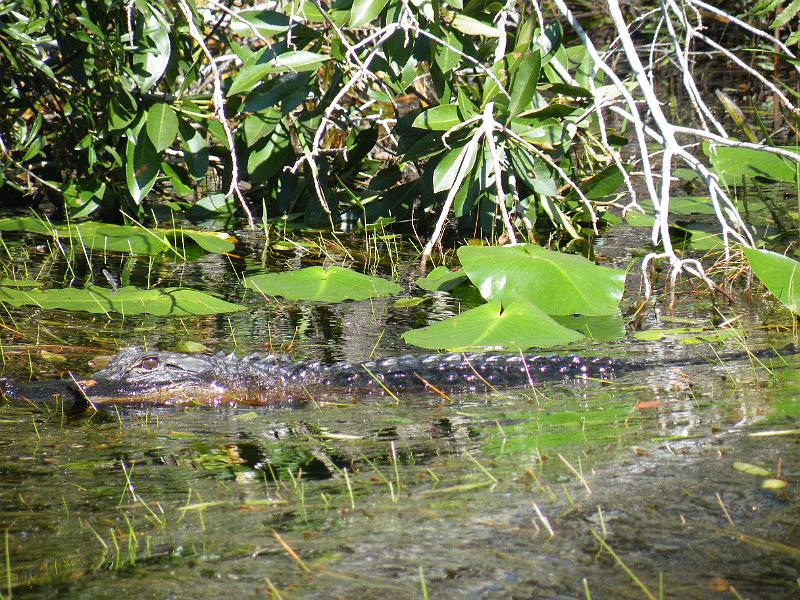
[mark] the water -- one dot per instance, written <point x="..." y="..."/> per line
<point x="490" y="495"/>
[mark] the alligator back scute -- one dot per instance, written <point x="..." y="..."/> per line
<point x="465" y="372"/>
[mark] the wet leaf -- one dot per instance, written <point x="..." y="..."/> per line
<point x="318" y="284"/>
<point x="165" y="302"/>
<point x="190" y="347"/>
<point x="441" y="279"/>
<point x="651" y="335"/>
<point x="19" y="282"/>
<point x="518" y="325"/>
<point x="125" y="238"/>
<point x="408" y="302"/>
<point x="558" y="283"/>
<point x="29" y="224"/>
<point x="780" y="274"/>
<point x="751" y="469"/>
<point x="773" y="484"/>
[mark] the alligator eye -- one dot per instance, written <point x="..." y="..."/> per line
<point x="148" y="363"/>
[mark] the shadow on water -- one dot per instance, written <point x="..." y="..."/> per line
<point x="611" y="489"/>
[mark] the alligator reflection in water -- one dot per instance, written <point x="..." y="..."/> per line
<point x="136" y="376"/>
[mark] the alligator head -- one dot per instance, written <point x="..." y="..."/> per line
<point x="139" y="376"/>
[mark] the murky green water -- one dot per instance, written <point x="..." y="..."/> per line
<point x="521" y="494"/>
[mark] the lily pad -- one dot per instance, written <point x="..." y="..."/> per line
<point x="125" y="238"/>
<point x="334" y="284"/>
<point x="517" y="326"/>
<point x="597" y="329"/>
<point x="441" y="279"/>
<point x="129" y="300"/>
<point x="779" y="273"/>
<point x="751" y="469"/>
<point x="29" y="224"/>
<point x="558" y="283"/>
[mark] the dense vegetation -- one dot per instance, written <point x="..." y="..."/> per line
<point x="375" y="112"/>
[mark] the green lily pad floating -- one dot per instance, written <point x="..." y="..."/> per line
<point x="516" y="326"/>
<point x="751" y="469"/>
<point x="28" y="283"/>
<point x="559" y="284"/>
<point x="441" y="279"/>
<point x="334" y="284"/>
<point x="653" y="335"/>
<point x="125" y="238"/>
<point x="129" y="300"/>
<point x="636" y="219"/>
<point x="597" y="329"/>
<point x="779" y="273"/>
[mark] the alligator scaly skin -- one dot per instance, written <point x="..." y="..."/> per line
<point x="137" y="376"/>
<point x="142" y="377"/>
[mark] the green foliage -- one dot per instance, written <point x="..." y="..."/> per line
<point x="517" y="325"/>
<point x="734" y="165"/>
<point x="333" y="284"/>
<point x="122" y="238"/>
<point x="559" y="284"/>
<point x="779" y="273"/>
<point x="129" y="300"/>
<point x="535" y="298"/>
<point x="106" y="109"/>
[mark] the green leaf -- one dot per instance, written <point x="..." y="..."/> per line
<point x="28" y="224"/>
<point x="523" y="85"/>
<point x="121" y="110"/>
<point x="334" y="284"/>
<point x="439" y="118"/>
<point x="734" y="165"/>
<point x="142" y="164"/>
<point x="515" y="326"/>
<point x="364" y="11"/>
<point x="162" y="125"/>
<point x="751" y="469"/>
<point x="446" y="58"/>
<point x="294" y="60"/>
<point x="786" y="15"/>
<point x="779" y="273"/>
<point x="603" y="184"/>
<point x="472" y="26"/>
<point x="452" y="169"/>
<point x="260" y="125"/>
<point x="597" y="329"/>
<point x="266" y="22"/>
<point x="560" y="284"/>
<point x="166" y="302"/>
<point x="215" y="242"/>
<point x="195" y="150"/>
<point x="153" y="48"/>
<point x="441" y="279"/>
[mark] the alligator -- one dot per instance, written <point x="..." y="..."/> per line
<point x="136" y="376"/>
